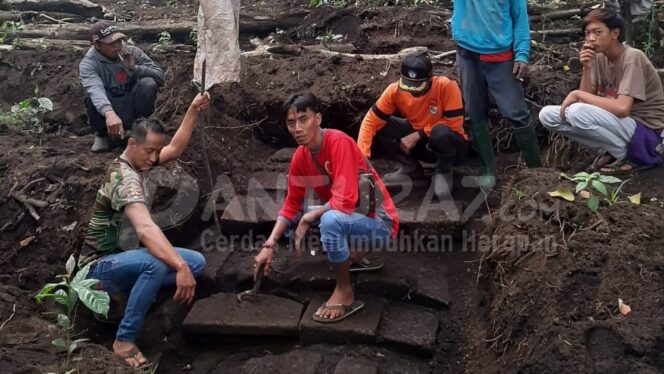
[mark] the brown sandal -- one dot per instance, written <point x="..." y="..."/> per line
<point x="598" y="164"/>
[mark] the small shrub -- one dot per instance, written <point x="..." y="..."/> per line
<point x="9" y="32"/>
<point x="28" y="115"/>
<point x="66" y="294"/>
<point x="163" y="42"/>
<point x="597" y="182"/>
<point x="193" y="35"/>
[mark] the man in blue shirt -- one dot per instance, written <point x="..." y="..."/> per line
<point x="493" y="42"/>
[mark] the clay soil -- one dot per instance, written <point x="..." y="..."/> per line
<point x="534" y="309"/>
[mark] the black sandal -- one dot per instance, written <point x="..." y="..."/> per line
<point x="366" y="265"/>
<point x="596" y="165"/>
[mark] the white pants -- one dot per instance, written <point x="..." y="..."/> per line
<point x="591" y="126"/>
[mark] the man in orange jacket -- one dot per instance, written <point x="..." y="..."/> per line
<point x="430" y="126"/>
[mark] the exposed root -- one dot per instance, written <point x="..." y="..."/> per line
<point x="29" y="203"/>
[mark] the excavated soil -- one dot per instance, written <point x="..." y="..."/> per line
<point x="554" y="304"/>
<point x="548" y="304"/>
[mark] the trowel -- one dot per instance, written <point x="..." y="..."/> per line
<point x="252" y="293"/>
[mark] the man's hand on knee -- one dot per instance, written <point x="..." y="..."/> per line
<point x="409" y="141"/>
<point x="113" y="125"/>
<point x="186" y="286"/>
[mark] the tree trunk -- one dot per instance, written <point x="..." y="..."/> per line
<point x="556" y="14"/>
<point x="147" y="31"/>
<point x="83" y="7"/>
<point x="30" y="16"/>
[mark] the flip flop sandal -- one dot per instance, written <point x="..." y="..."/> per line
<point x="366" y="265"/>
<point x="146" y="366"/>
<point x="617" y="165"/>
<point x="595" y="166"/>
<point x="347" y="310"/>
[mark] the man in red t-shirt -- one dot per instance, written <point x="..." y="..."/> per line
<point x="329" y="162"/>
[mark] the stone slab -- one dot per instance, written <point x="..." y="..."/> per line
<point x="432" y="288"/>
<point x="408" y="328"/>
<point x="361" y="327"/>
<point x="394" y="281"/>
<point x="349" y="365"/>
<point x="310" y="273"/>
<point x="293" y="362"/>
<point x="283" y="155"/>
<point x="268" y="181"/>
<point x="251" y="209"/>
<point x="222" y="314"/>
<point x="421" y="211"/>
<point x="416" y="187"/>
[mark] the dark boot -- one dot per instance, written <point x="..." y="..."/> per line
<point x="526" y="140"/>
<point x="409" y="169"/>
<point x="479" y="131"/>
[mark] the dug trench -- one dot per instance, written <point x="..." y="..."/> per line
<point x="526" y="283"/>
<point x="421" y="307"/>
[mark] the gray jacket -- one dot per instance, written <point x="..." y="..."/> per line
<point x="109" y="85"/>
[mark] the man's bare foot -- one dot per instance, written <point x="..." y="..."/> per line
<point x="338" y="297"/>
<point x="130" y="353"/>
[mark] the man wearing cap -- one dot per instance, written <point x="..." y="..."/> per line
<point x="120" y="83"/>
<point x="493" y="43"/>
<point x="430" y="128"/>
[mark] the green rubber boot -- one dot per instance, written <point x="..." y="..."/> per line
<point x="479" y="131"/>
<point x="526" y="140"/>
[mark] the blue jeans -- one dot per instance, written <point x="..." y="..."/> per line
<point x="140" y="275"/>
<point x="337" y="229"/>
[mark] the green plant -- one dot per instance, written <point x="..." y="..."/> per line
<point x="597" y="182"/>
<point x="650" y="31"/>
<point x="614" y="193"/>
<point x="66" y="293"/>
<point x="326" y="38"/>
<point x="9" y="32"/>
<point x="193" y="35"/>
<point x="163" y="42"/>
<point x="519" y="194"/>
<point x="332" y="3"/>
<point x="172" y="3"/>
<point x="28" y="115"/>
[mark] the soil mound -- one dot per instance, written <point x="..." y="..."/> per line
<point x="556" y="271"/>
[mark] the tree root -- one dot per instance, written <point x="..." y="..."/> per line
<point x="29" y="203"/>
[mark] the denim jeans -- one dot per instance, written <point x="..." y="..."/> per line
<point x="337" y="229"/>
<point x="141" y="275"/>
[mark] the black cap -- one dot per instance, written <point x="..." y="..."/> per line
<point x="105" y="32"/>
<point x="416" y="70"/>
